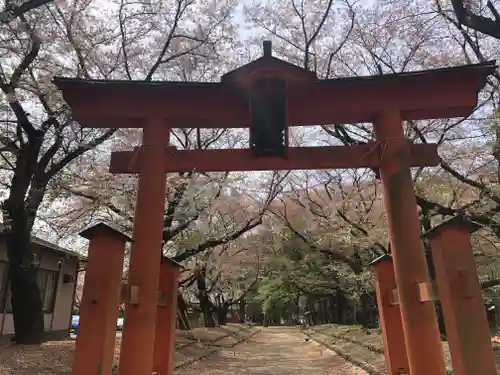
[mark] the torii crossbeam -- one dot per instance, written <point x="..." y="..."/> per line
<point x="302" y="158"/>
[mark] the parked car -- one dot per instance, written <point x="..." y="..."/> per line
<point x="75" y="320"/>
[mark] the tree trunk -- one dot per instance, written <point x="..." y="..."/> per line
<point x="242" y="310"/>
<point x="341" y="307"/>
<point x="205" y="303"/>
<point x="365" y="311"/>
<point x="332" y="304"/>
<point x="19" y="213"/>
<point x="184" y="324"/>
<point x="207" y="311"/>
<point x="26" y="299"/>
<point x="209" y="319"/>
<point x="298" y="309"/>
<point x="373" y="309"/>
<point x="326" y="311"/>
<point x="221" y="312"/>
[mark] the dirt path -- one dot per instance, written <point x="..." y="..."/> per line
<point x="274" y="351"/>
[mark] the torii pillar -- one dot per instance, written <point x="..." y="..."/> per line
<point x="421" y="332"/>
<point x="391" y="325"/>
<point x="95" y="342"/>
<point x="461" y="299"/>
<point x="137" y="348"/>
<point x="166" y="317"/>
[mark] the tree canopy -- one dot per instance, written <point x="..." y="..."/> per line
<point x="281" y="243"/>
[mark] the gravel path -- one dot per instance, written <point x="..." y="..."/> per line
<point x="274" y="351"/>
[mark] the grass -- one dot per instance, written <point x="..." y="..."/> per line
<point x="364" y="347"/>
<point x="55" y="357"/>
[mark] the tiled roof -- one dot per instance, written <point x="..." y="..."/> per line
<point x="48" y="245"/>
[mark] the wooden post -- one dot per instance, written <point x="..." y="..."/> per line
<point x="396" y="357"/>
<point x="166" y="318"/>
<point x="461" y="299"/>
<point x="95" y="342"/>
<point x="137" y="348"/>
<point x="423" y="343"/>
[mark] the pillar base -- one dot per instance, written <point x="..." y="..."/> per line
<point x="390" y="317"/>
<point x="166" y="317"/>
<point x="95" y="343"/>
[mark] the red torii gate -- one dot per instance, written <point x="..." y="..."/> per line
<point x="268" y="95"/>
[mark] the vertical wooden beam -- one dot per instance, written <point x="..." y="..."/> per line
<point x="461" y="299"/>
<point x="137" y="348"/>
<point x="396" y="357"/>
<point x="95" y="342"/>
<point x="166" y="318"/>
<point x="423" y="344"/>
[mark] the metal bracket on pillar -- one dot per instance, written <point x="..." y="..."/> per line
<point x="129" y="294"/>
<point x="393" y="297"/>
<point x="427" y="292"/>
<point x="161" y="299"/>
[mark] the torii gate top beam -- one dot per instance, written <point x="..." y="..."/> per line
<point x="305" y="100"/>
<point x="438" y="93"/>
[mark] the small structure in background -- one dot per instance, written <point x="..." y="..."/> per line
<point x="56" y="277"/>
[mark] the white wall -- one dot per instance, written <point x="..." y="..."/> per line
<point x="8" y="324"/>
<point x="64" y="299"/>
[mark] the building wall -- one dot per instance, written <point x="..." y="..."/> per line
<point x="58" y="322"/>
<point x="64" y="298"/>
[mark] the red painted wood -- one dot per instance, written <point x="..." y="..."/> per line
<point x="431" y="94"/>
<point x="137" y="347"/>
<point x="419" y="321"/>
<point x="461" y="300"/>
<point x="385" y="100"/>
<point x="303" y="158"/>
<point x="95" y="343"/>
<point x="164" y="351"/>
<point x="391" y="324"/>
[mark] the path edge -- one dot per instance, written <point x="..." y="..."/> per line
<point x="217" y="350"/>
<point x="361" y="364"/>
